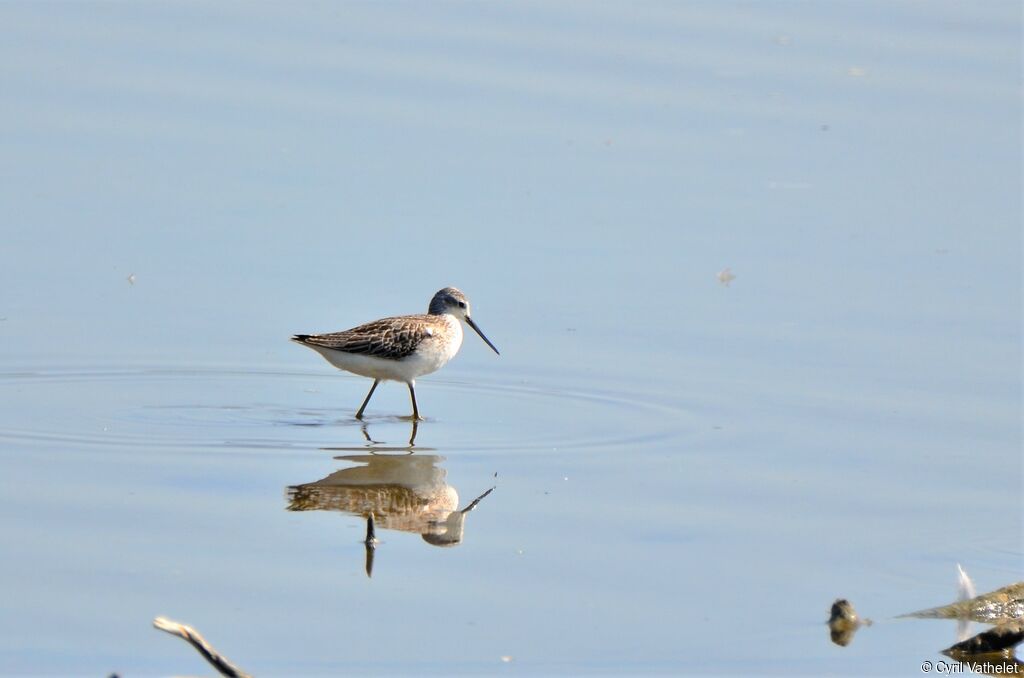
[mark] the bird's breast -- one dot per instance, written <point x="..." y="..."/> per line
<point x="441" y="346"/>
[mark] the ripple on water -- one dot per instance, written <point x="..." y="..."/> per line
<point x="236" y="408"/>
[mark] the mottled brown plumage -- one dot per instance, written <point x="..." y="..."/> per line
<point x="389" y="338"/>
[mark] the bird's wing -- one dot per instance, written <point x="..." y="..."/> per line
<point x="390" y="338"/>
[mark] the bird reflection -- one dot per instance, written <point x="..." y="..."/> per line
<point x="406" y="492"/>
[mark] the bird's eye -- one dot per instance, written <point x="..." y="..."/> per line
<point x="462" y="304"/>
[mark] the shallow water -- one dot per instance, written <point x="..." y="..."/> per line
<point x="686" y="473"/>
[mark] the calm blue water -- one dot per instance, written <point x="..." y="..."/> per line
<point x="687" y="474"/>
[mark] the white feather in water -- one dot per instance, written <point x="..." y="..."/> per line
<point x="964" y="591"/>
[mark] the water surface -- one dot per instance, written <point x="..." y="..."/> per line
<point x="686" y="473"/>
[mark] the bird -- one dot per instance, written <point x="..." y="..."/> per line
<point x="400" y="348"/>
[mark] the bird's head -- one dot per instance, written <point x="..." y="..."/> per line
<point x="452" y="301"/>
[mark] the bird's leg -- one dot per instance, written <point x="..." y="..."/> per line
<point x="412" y="394"/>
<point x="359" y="414"/>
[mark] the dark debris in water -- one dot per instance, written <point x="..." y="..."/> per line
<point x="991" y="652"/>
<point x="1001" y="639"/>
<point x="844" y="621"/>
<point x="996" y="607"/>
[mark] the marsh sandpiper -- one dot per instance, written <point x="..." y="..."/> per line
<point x="400" y="348"/>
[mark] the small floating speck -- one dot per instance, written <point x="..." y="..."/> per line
<point x="726" y="276"/>
<point x="506" y="658"/>
<point x="131" y="278"/>
<point x="856" y="72"/>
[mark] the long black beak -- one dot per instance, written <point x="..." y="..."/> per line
<point x="469" y="321"/>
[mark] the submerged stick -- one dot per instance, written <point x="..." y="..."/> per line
<point x="201" y="645"/>
<point x="371" y="543"/>
<point x="371" y="532"/>
<point x="996" y="607"/>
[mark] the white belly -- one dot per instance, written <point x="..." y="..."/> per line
<point x="431" y="355"/>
